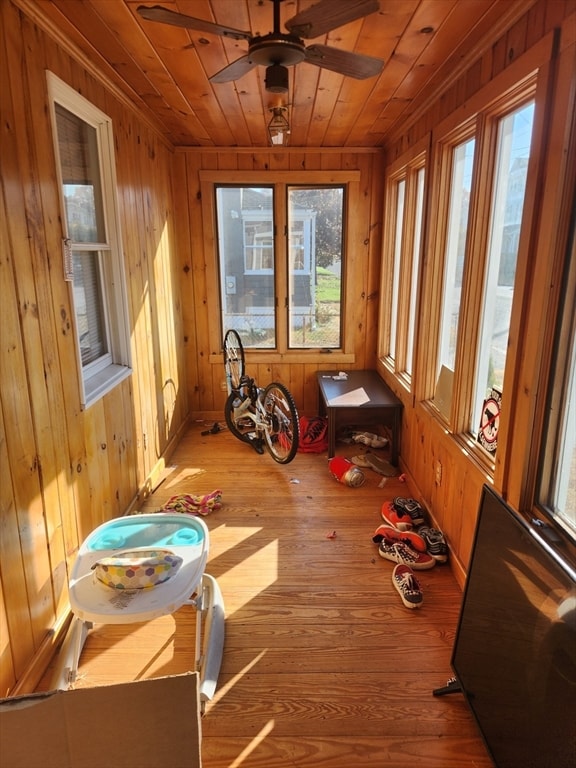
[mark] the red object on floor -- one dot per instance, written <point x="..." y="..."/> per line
<point x="346" y="472"/>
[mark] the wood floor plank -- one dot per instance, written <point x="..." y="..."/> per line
<point x="323" y="666"/>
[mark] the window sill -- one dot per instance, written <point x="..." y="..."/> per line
<point x="292" y="356"/>
<point x="103" y="382"/>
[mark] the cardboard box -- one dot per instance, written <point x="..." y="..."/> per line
<point x="147" y="724"/>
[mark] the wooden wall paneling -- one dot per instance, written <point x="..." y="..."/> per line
<point x="70" y="469"/>
<point x="175" y="275"/>
<point x="245" y="161"/>
<point x="536" y="19"/>
<point x="226" y="160"/>
<point x="516" y="39"/>
<point x="295" y="384"/>
<point x="135" y="266"/>
<point x="7" y="672"/>
<point x="185" y="236"/>
<point x="167" y="346"/>
<point x="557" y="13"/>
<point x="48" y="400"/>
<point x="19" y="642"/>
<point x="371" y="188"/>
<point x="148" y="311"/>
<point x="279" y="161"/>
<point x="98" y="469"/>
<point x="205" y="283"/>
<point x="23" y="215"/>
<point x="70" y="445"/>
<point x="297" y="160"/>
<point x="119" y="423"/>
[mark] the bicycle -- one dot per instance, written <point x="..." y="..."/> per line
<point x="263" y="417"/>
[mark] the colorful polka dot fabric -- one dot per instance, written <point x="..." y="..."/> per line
<point x="137" y="569"/>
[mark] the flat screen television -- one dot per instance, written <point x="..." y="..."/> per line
<point x="514" y="655"/>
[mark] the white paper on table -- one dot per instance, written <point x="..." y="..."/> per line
<point x="355" y="397"/>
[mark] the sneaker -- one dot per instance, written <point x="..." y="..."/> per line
<point x="435" y="543"/>
<point x="396" y="518"/>
<point x="402" y="553"/>
<point x="413" y="540"/>
<point x="407" y="586"/>
<point x="369" y="438"/>
<point x="411" y="507"/>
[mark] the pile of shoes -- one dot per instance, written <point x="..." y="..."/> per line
<point x="370" y="439"/>
<point x="405" y="539"/>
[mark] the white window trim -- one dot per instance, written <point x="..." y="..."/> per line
<point x="96" y="380"/>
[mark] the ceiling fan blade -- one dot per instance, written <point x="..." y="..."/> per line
<point x="157" y="13"/>
<point x="327" y="15"/>
<point x="344" y="62"/>
<point x="234" y="71"/>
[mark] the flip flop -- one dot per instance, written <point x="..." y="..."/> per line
<point x="381" y="466"/>
<point x="360" y="461"/>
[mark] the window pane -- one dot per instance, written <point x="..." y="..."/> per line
<point x="460" y="189"/>
<point x="563" y="496"/>
<point x="78" y="150"/>
<point x="557" y="483"/>
<point x="400" y="194"/>
<point x="89" y="306"/>
<point x="513" y="151"/>
<point x="415" y="268"/>
<point x="315" y="266"/>
<point x="245" y="222"/>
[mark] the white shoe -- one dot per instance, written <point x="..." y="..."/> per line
<point x="369" y="438"/>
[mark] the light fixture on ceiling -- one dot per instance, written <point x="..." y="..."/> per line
<point x="279" y="127"/>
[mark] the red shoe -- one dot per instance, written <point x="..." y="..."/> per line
<point x="396" y="518"/>
<point x="406" y="537"/>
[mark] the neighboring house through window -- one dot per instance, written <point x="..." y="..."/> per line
<point x="252" y="257"/>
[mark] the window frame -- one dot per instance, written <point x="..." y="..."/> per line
<point x="281" y="181"/>
<point x="400" y="286"/>
<point x="97" y="377"/>
<point x="483" y="125"/>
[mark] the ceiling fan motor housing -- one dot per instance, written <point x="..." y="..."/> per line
<point x="276" y="80"/>
<point x="276" y="49"/>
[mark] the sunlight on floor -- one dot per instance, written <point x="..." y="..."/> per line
<point x="224" y="689"/>
<point x="254" y="573"/>
<point x="256" y="741"/>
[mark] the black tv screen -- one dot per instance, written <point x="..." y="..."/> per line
<point x="514" y="655"/>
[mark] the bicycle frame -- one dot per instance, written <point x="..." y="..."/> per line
<point x="265" y="418"/>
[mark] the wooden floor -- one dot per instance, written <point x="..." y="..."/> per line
<point x="323" y="666"/>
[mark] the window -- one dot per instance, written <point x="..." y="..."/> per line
<point x="93" y="264"/>
<point x="458" y="212"/>
<point x="315" y="266"/>
<point x="509" y="179"/>
<point x="557" y="491"/>
<point x="254" y="262"/>
<point x="400" y="191"/>
<point x="403" y="240"/>
<point x="415" y="267"/>
<point x="483" y="219"/>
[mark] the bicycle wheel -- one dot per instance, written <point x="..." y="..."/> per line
<point x="241" y="427"/>
<point x="282" y="432"/>
<point x="233" y="359"/>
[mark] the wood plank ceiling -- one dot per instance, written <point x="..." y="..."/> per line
<point x="165" y="69"/>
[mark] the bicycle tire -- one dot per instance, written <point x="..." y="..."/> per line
<point x="233" y="359"/>
<point x="243" y="430"/>
<point x="282" y="438"/>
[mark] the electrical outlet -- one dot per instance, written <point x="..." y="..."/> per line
<point x="438" y="473"/>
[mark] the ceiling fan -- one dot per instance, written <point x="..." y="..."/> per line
<point x="278" y="50"/>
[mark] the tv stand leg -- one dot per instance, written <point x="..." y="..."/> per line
<point x="452" y="686"/>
